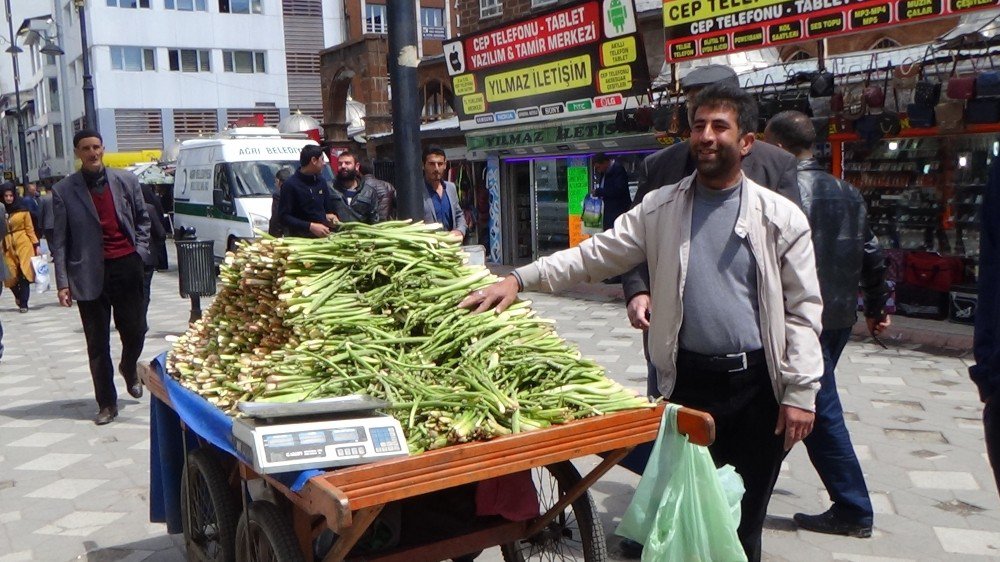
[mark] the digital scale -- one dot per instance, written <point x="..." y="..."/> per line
<point x="322" y="433"/>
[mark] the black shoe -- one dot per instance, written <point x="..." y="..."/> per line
<point x="105" y="416"/>
<point x="23" y="309"/>
<point x="830" y="524"/>
<point x="630" y="549"/>
<point x="133" y="384"/>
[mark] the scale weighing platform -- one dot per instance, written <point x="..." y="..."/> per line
<point x="323" y="433"/>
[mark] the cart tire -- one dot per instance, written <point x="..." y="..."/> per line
<point x="214" y="510"/>
<point x="576" y="534"/>
<point x="265" y="535"/>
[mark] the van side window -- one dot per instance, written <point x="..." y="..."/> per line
<point x="222" y="181"/>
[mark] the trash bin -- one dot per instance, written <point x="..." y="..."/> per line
<point x="196" y="267"/>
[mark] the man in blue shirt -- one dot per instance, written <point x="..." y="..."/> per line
<point x="441" y="203"/>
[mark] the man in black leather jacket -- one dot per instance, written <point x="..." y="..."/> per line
<point x="848" y="255"/>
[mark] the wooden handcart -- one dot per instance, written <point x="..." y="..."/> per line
<point x="222" y="522"/>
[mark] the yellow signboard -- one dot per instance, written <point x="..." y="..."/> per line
<point x="679" y="12"/>
<point x="619" y="51"/>
<point x="541" y="79"/>
<point x="464" y="85"/>
<point x="614" y="79"/>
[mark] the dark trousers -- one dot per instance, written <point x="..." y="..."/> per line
<point x="746" y="413"/>
<point x="991" y="425"/>
<point x="22" y="291"/>
<point x="147" y="281"/>
<point x="122" y="298"/>
<point x="829" y="444"/>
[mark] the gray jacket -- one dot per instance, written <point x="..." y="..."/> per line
<point x="46" y="217"/>
<point x="77" y="241"/>
<point x="457" y="215"/>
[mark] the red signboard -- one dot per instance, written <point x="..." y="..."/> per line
<point x="703" y="28"/>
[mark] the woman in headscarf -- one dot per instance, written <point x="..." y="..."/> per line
<point x="19" y="246"/>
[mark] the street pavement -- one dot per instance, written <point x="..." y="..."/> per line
<point x="70" y="490"/>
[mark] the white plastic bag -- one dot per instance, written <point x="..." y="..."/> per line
<point x="41" y="266"/>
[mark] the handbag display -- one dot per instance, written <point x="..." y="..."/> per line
<point x="854" y="103"/>
<point x="961" y="87"/>
<point x="920" y="116"/>
<point x="950" y="115"/>
<point x="821" y="85"/>
<point x="927" y="92"/>
<point x="767" y="104"/>
<point x="905" y="76"/>
<point x="794" y="101"/>
<point x="921" y="302"/>
<point x="982" y="110"/>
<point x="933" y="271"/>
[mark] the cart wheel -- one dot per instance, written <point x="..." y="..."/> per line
<point x="213" y="509"/>
<point x="575" y="534"/>
<point x="264" y="535"/>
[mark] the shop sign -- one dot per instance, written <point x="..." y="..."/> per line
<point x="542" y="135"/>
<point x="575" y="60"/>
<point x="702" y="28"/>
<point x="577" y="188"/>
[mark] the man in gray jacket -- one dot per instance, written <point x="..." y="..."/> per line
<point x="99" y="245"/>
<point x="736" y="303"/>
<point x="441" y="203"/>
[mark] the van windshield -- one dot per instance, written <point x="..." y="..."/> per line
<point x="256" y="178"/>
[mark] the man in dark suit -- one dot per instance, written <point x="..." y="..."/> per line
<point x="99" y="244"/>
<point x="612" y="187"/>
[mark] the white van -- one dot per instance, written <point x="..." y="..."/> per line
<point x="223" y="185"/>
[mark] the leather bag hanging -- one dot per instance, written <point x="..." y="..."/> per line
<point x="933" y="271"/>
<point x="921" y="116"/>
<point x="905" y="76"/>
<point x="872" y="94"/>
<point x="988" y="82"/>
<point x="982" y="110"/>
<point x="961" y="87"/>
<point x="888" y="121"/>
<point x="927" y="92"/>
<point x="794" y="100"/>
<point x="821" y="85"/>
<point x="767" y="102"/>
<point x="854" y="102"/>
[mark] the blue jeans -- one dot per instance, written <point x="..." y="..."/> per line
<point x="829" y="444"/>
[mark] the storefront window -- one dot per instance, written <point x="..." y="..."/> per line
<point x="551" y="209"/>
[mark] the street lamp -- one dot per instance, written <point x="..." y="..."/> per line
<point x="89" y="106"/>
<point x="14" y="50"/>
<point x="40" y="31"/>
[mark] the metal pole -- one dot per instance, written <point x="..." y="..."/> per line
<point x="67" y="122"/>
<point x="22" y="145"/>
<point x="89" y="106"/>
<point x="403" y="59"/>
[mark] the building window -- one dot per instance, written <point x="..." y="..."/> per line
<point x="244" y="62"/>
<point x="57" y="138"/>
<point x="541" y="3"/>
<point x="240" y="7"/>
<point x="375" y="18"/>
<point x="885" y="43"/>
<point x="128" y="3"/>
<point x="432" y="23"/>
<point x="133" y="59"/>
<point x="189" y="60"/>
<point x="489" y="8"/>
<point x="186" y="5"/>
<point x="799" y="55"/>
<point x="53" y="94"/>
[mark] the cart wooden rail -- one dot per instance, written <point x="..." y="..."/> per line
<point x="347" y="500"/>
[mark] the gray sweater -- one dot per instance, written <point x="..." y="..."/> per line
<point x="720" y="291"/>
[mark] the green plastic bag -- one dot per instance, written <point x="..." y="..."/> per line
<point x="684" y="509"/>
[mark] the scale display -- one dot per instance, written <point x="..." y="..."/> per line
<point x="285" y="447"/>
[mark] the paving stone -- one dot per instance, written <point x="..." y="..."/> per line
<point x="916" y="435"/>
<point x="969" y="541"/>
<point x="943" y="480"/>
<point x="66" y="489"/>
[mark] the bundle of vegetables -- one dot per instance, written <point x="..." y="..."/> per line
<point x="373" y="309"/>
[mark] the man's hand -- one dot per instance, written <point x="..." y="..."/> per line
<point x="457" y="234"/>
<point x="638" y="311"/>
<point x="878" y="325"/>
<point x="318" y="230"/>
<point x="795" y="423"/>
<point x="332" y="218"/>
<point x="65" y="297"/>
<point x="498" y="295"/>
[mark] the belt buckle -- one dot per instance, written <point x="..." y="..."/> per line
<point x="742" y="356"/>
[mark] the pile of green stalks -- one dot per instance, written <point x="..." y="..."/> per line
<point x="372" y="309"/>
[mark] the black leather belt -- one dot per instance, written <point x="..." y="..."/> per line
<point x="729" y="363"/>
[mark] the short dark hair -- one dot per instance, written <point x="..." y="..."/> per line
<point x="365" y="167"/>
<point x="601" y="158"/>
<point x="437" y="150"/>
<point x="309" y="152"/>
<point x="794" y="130"/>
<point x="86" y="134"/>
<point x="348" y="152"/>
<point x="283" y="174"/>
<point x="723" y="94"/>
